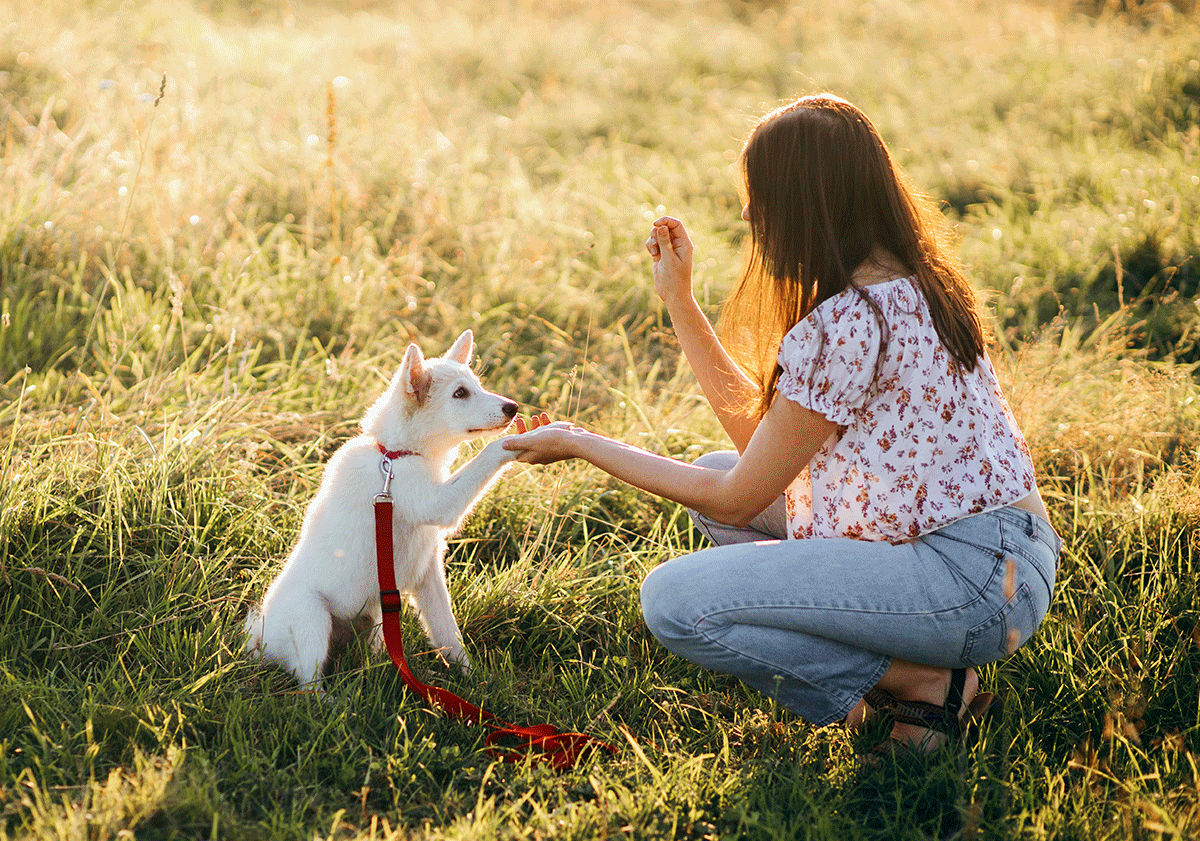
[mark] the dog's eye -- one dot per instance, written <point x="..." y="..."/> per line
<point x="461" y="393"/>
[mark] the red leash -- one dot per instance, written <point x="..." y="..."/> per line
<point x="561" y="750"/>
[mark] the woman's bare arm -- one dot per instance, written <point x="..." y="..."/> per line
<point x="782" y="445"/>
<point x="725" y="385"/>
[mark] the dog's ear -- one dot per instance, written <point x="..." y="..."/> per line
<point x="414" y="379"/>
<point x="462" y="349"/>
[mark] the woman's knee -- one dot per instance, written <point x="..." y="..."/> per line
<point x="664" y="612"/>
<point x="718" y="460"/>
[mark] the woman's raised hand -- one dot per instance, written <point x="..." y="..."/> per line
<point x="541" y="442"/>
<point x="671" y="249"/>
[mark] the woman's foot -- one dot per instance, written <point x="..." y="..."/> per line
<point x="867" y="709"/>
<point x="929" y="712"/>
<point x="928" y="705"/>
<point x="858" y="717"/>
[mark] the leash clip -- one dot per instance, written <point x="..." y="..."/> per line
<point x="385" y="467"/>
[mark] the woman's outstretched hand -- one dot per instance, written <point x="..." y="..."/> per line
<point x="539" y="441"/>
<point x="671" y="249"/>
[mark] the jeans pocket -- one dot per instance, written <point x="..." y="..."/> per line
<point x="1004" y="632"/>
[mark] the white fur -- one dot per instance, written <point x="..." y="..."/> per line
<point x="330" y="578"/>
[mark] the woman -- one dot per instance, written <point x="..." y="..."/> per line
<point x="878" y="530"/>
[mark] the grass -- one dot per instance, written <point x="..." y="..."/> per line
<point x="202" y="285"/>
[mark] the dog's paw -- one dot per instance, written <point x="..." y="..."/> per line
<point x="500" y="456"/>
<point x="456" y="661"/>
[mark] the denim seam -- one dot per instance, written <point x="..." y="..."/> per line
<point x="1009" y="516"/>
<point x="1012" y="550"/>
<point x="802" y="679"/>
<point x="1002" y="616"/>
<point x="996" y="554"/>
<point x="866" y="686"/>
<point x="1011" y="547"/>
<point x="700" y="524"/>
<point x="772" y="606"/>
<point x="1017" y="549"/>
<point x="1031" y="524"/>
<point x="1022" y="519"/>
<point x="985" y="548"/>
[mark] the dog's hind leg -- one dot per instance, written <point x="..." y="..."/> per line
<point x="296" y="635"/>
<point x="253" y="629"/>
<point x="378" y="643"/>
<point x="431" y="598"/>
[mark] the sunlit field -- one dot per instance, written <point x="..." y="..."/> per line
<point x="220" y="225"/>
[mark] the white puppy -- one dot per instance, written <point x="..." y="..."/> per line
<point x="330" y="580"/>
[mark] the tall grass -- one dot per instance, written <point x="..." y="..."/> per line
<point x="203" y="285"/>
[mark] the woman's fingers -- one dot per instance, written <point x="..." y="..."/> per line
<point x="668" y="235"/>
<point x="659" y="245"/>
<point x="673" y="226"/>
<point x="663" y="235"/>
<point x="535" y="422"/>
<point x="669" y="222"/>
<point x="545" y="442"/>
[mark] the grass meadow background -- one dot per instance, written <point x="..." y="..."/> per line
<point x="220" y="224"/>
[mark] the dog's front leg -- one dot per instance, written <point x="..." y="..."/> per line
<point x="447" y="504"/>
<point x="431" y="598"/>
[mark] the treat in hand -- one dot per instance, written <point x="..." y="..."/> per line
<point x="535" y="421"/>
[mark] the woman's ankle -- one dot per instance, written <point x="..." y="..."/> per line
<point x="927" y="684"/>
<point x="857" y="717"/>
<point x="948" y="692"/>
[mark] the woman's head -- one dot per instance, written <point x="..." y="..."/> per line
<point x="822" y="198"/>
<point x="822" y="193"/>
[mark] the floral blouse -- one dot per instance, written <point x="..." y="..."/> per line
<point x="922" y="443"/>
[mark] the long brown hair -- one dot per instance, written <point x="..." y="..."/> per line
<point x="823" y="194"/>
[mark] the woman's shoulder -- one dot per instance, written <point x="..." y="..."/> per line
<point x="857" y="311"/>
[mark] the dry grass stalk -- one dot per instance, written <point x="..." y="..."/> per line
<point x="331" y="140"/>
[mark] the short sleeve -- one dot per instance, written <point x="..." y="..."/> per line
<point x="828" y="359"/>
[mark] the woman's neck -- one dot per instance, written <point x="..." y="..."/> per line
<point x="880" y="267"/>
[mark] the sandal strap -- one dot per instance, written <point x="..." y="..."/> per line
<point x="930" y="716"/>
<point x="880" y="699"/>
<point x="944" y="719"/>
<point x="954" y="697"/>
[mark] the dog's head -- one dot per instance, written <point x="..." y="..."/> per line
<point x="436" y="404"/>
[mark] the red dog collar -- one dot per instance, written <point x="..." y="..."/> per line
<point x="394" y="453"/>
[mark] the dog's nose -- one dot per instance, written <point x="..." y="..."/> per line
<point x="509" y="409"/>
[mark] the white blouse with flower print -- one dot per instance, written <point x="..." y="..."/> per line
<point x="922" y="443"/>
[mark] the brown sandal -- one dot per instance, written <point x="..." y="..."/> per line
<point x="945" y="719"/>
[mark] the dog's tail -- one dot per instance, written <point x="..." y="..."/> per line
<point x="254" y="630"/>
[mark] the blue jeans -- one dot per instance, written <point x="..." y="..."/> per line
<point x="815" y="623"/>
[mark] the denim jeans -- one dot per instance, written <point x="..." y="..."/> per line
<point x="814" y="624"/>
